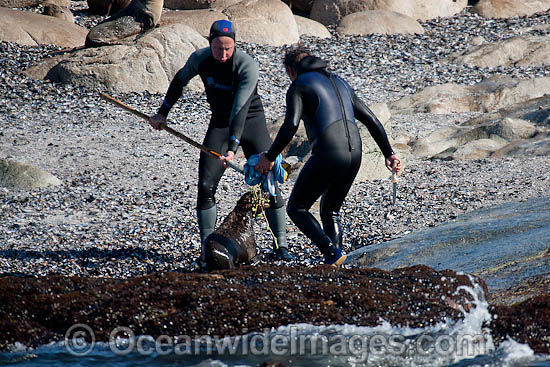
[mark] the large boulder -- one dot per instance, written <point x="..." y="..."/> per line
<point x="472" y="142"/>
<point x="198" y="4"/>
<point x="20" y="175"/>
<point x="200" y="20"/>
<point x="378" y="21"/>
<point x="148" y="64"/>
<point x="20" y="3"/>
<point x="267" y="22"/>
<point x="522" y="50"/>
<point x="536" y="112"/>
<point x="330" y="12"/>
<point x="510" y="8"/>
<point x="536" y="146"/>
<point x="310" y="27"/>
<point x="489" y="95"/>
<point x="31" y="29"/>
<point x="505" y="244"/>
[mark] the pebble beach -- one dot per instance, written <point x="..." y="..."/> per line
<point x="126" y="205"/>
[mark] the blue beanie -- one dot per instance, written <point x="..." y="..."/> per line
<point x="221" y="28"/>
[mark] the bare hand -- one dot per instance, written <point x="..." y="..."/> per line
<point x="228" y="157"/>
<point x="389" y="163"/>
<point x="156" y="121"/>
<point x="264" y="165"/>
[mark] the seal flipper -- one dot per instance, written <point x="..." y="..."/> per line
<point x="219" y="252"/>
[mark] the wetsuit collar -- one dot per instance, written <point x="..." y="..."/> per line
<point x="310" y="63"/>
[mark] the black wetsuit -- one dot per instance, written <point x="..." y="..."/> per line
<point x="237" y="114"/>
<point x="336" y="146"/>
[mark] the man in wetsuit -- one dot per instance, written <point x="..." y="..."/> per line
<point x="328" y="106"/>
<point x="230" y="78"/>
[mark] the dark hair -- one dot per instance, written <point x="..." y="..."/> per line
<point x="294" y="54"/>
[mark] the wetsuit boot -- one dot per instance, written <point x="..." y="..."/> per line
<point x="307" y="223"/>
<point x="333" y="255"/>
<point x="332" y="227"/>
<point x="207" y="222"/>
<point x="276" y="219"/>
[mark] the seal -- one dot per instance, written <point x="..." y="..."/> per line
<point x="136" y="18"/>
<point x="233" y="243"/>
<point x="106" y="7"/>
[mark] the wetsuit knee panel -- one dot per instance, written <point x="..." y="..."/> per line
<point x="206" y="195"/>
<point x="293" y="211"/>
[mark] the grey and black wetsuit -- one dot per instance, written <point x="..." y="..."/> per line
<point x="324" y="101"/>
<point x="237" y="114"/>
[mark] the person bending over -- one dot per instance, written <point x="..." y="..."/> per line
<point x="329" y="107"/>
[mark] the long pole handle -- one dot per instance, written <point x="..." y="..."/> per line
<point x="168" y="129"/>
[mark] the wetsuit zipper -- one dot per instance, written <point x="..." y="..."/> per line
<point x="343" y="111"/>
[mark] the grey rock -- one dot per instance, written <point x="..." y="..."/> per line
<point x="509" y="8"/>
<point x="330" y="12"/>
<point x="149" y="64"/>
<point x="30" y="29"/>
<point x="525" y="50"/>
<point x="200" y="20"/>
<point x="268" y="22"/>
<point x="20" y="175"/>
<point x="468" y="244"/>
<point x="472" y="142"/>
<point x="378" y="21"/>
<point x="310" y="27"/>
<point x="489" y="95"/>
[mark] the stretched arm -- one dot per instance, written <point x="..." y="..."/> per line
<point x="180" y="80"/>
<point x="248" y="73"/>
<point x="294" y="108"/>
<point x="364" y="114"/>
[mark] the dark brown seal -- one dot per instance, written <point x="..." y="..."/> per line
<point x="136" y="18"/>
<point x="233" y="243"/>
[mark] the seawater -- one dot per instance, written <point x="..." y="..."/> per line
<point x="466" y="342"/>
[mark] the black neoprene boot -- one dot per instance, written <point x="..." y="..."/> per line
<point x="332" y="227"/>
<point x="207" y="223"/>
<point x="333" y="255"/>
